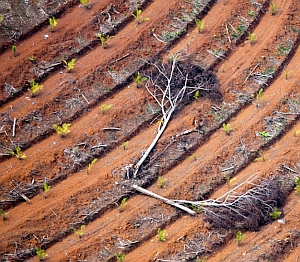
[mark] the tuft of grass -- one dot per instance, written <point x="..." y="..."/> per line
<point x="260" y="158"/>
<point x="120" y="256"/>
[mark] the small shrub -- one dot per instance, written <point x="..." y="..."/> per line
<point x="3" y="214"/>
<point x="34" y="87"/>
<point x="14" y="50"/>
<point x="70" y="65"/>
<point x="161" y="181"/>
<point x="239" y="237"/>
<point x="161" y="234"/>
<point x="120" y="256"/>
<point x="63" y="129"/>
<point x="200" y="25"/>
<point x="91" y="164"/>
<point x="78" y="232"/>
<point x="104" y="41"/>
<point x="17" y="152"/>
<point x="139" y="80"/>
<point x="105" y="107"/>
<point x="41" y="253"/>
<point x="53" y="22"/>
<point x="275" y="213"/>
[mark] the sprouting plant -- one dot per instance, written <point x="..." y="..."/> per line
<point x="78" y="232"/>
<point x="34" y="87"/>
<point x="14" y="50"/>
<point x="287" y="73"/>
<point x="63" y="129"/>
<point x="252" y="38"/>
<point x="239" y="237"/>
<point x="260" y="158"/>
<point x="70" y="64"/>
<point x="273" y="8"/>
<point x="161" y="234"/>
<point x="3" y="214"/>
<point x="125" y="144"/>
<point x="275" y="213"/>
<point x="251" y="13"/>
<point x="296" y="132"/>
<point x="85" y="3"/>
<point x="1" y="18"/>
<point x="41" y="253"/>
<point x="200" y="24"/>
<point x="122" y="204"/>
<point x="260" y="95"/>
<point x="105" y="107"/>
<point x="202" y="260"/>
<point x="31" y="58"/>
<point x="91" y="164"/>
<point x="297" y="188"/>
<point x="229" y="180"/>
<point x="120" y="256"/>
<point x="192" y="157"/>
<point x="46" y="189"/>
<point x="104" y="41"/>
<point x="196" y="95"/>
<point x="161" y="181"/>
<point x="139" y="80"/>
<point x="53" y="22"/>
<point x="226" y="128"/>
<point x="138" y="16"/>
<point x="17" y="152"/>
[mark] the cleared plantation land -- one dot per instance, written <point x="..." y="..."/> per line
<point x="256" y="90"/>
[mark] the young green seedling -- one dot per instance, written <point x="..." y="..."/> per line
<point x="161" y="181"/>
<point x="120" y="256"/>
<point x="139" y="80"/>
<point x="273" y="8"/>
<point x="62" y="130"/>
<point x="34" y="87"/>
<point x="70" y="64"/>
<point x="3" y="214"/>
<point x="125" y="144"/>
<point x="1" y="19"/>
<point x="287" y="73"/>
<point x="192" y="157"/>
<point x="46" y="189"/>
<point x="14" y="50"/>
<point x="196" y="95"/>
<point x="91" y="164"/>
<point x="104" y="41"/>
<point x="260" y="158"/>
<point x="17" y="152"/>
<point x="226" y="128"/>
<point x="239" y="237"/>
<point x="78" y="232"/>
<point x="297" y="188"/>
<point x="275" y="213"/>
<point x="161" y="234"/>
<point x="31" y="59"/>
<point x="122" y="204"/>
<point x="85" y="3"/>
<point x="105" y="107"/>
<point x="252" y="38"/>
<point x="41" y="253"/>
<point x="229" y="180"/>
<point x="200" y="25"/>
<point x="53" y="22"/>
<point x="138" y="16"/>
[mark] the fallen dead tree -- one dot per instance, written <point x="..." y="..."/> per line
<point x="247" y="205"/>
<point x="172" y="85"/>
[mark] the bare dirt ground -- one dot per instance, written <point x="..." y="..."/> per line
<point x="248" y="59"/>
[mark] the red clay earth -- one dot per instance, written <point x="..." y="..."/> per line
<point x="263" y="139"/>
